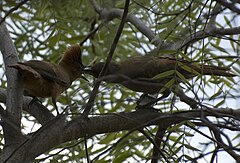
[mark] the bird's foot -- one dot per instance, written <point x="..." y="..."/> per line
<point x="148" y="100"/>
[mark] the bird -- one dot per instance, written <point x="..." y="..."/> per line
<point x="45" y="79"/>
<point x="151" y="74"/>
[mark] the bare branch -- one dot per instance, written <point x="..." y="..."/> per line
<point x="108" y="15"/>
<point x="108" y="60"/>
<point x="210" y="30"/>
<point x="60" y="131"/>
<point x="229" y="5"/>
<point x="220" y="144"/>
<point x="95" y="6"/>
<point x="184" y="98"/>
<point x="204" y="34"/>
<point x="12" y="10"/>
<point x="226" y="31"/>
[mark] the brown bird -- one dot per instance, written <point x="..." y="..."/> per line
<point x="45" y="79"/>
<point x="140" y="73"/>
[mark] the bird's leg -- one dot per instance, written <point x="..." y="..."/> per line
<point x="54" y="101"/>
<point x="146" y="100"/>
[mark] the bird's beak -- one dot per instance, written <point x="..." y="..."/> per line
<point x="83" y="68"/>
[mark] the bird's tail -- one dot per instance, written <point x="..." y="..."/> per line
<point x="25" y="70"/>
<point x="215" y="70"/>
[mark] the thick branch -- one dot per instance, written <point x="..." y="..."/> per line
<point x="37" y="110"/>
<point x="14" y="89"/>
<point x="58" y="131"/>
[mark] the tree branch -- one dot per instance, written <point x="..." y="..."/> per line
<point x="58" y="131"/>
<point x="210" y="30"/>
<point x="108" y="15"/>
<point x="158" y="139"/>
<point x="220" y="144"/>
<point x="37" y="110"/>
<point x="14" y="87"/>
<point x="12" y="10"/>
<point x="228" y="5"/>
<point x="108" y="60"/>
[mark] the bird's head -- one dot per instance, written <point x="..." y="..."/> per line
<point x="95" y="69"/>
<point x="71" y="61"/>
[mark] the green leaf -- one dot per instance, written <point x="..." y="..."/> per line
<point x="169" y="84"/>
<point x="220" y="103"/>
<point x="187" y="68"/>
<point x="219" y="92"/>
<point x="228" y="22"/>
<point x="236" y="137"/>
<point x="183" y="79"/>
<point x="122" y="157"/>
<point x="164" y="74"/>
<point x="108" y="138"/>
<point x="191" y="147"/>
<point x="177" y="141"/>
<point x="220" y="48"/>
<point x="190" y="124"/>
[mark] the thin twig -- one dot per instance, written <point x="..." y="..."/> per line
<point x="109" y="57"/>
<point x="90" y="34"/>
<point x="154" y="144"/>
<point x="228" y="5"/>
<point x="220" y="144"/>
<point x="107" y="15"/>
<point x="158" y="139"/>
<point x="12" y="10"/>
<point x="86" y="149"/>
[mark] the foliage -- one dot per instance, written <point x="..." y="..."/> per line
<point x="43" y="29"/>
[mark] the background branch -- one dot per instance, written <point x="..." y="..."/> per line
<point x="12" y="10"/>
<point x="108" y="15"/>
<point x="230" y="6"/>
<point x="158" y="139"/>
<point x="211" y="30"/>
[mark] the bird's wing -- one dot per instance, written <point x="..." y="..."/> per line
<point x="26" y="70"/>
<point x="149" y="67"/>
<point x="146" y="66"/>
<point x="47" y="70"/>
